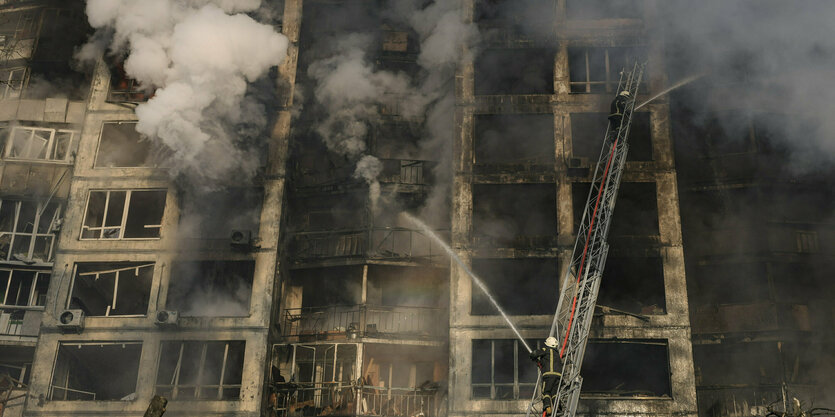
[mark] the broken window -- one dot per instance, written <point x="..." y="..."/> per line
<point x="113" y="288"/>
<point x="597" y="70"/>
<point x="405" y="286"/>
<point x="215" y="214"/>
<point x="324" y="377"/>
<point x="589" y="129"/>
<point x="603" y="9"/>
<point x="211" y="288"/>
<point x="634" y="284"/>
<point x="123" y="214"/>
<point x="514" y="139"/>
<point x="515" y="215"/>
<point x="12" y="81"/>
<point x="515" y="71"/>
<point x="502" y="370"/>
<point x="522" y="286"/>
<point x="16" y="362"/>
<point x="38" y="143"/>
<point x="326" y="363"/>
<point x="95" y="371"/>
<point x="526" y="18"/>
<point x="750" y="362"/>
<point x="626" y="368"/>
<point x="124" y="89"/>
<point x="324" y="287"/>
<point x="122" y="146"/>
<point x="23" y="287"/>
<point x="636" y="213"/>
<point x="198" y="370"/>
<point x="27" y="230"/>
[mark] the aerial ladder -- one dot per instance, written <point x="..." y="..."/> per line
<point x="578" y="291"/>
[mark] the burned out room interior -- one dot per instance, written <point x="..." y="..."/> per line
<point x="381" y="208"/>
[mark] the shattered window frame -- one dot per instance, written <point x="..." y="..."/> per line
<point x="113" y="306"/>
<point x="13" y="86"/>
<point x="156" y="152"/>
<point x="173" y="390"/>
<point x="520" y="360"/>
<point x="610" y="82"/>
<point x="55" y="144"/>
<point x="124" y="89"/>
<point x="35" y="298"/>
<point x="58" y="365"/>
<point x="103" y="231"/>
<point x="38" y="229"/>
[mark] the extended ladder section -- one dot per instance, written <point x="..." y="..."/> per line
<point x="579" y="287"/>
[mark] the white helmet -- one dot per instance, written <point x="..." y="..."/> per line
<point x="625" y="93"/>
<point x="551" y="342"/>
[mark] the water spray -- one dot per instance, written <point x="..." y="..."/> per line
<point x="685" y="81"/>
<point x="469" y="272"/>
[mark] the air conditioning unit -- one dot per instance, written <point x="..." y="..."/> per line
<point x="167" y="318"/>
<point x="71" y="321"/>
<point x="241" y="239"/>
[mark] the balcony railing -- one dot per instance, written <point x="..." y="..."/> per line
<point x="344" y="399"/>
<point x="20" y="320"/>
<point x="389" y="243"/>
<point x="337" y="322"/>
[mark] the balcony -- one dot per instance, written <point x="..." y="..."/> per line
<point x="350" y="322"/>
<point x="343" y="399"/>
<point x="20" y="320"/>
<point x="384" y="243"/>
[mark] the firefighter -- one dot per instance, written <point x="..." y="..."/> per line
<point x="616" y="112"/>
<point x="548" y="360"/>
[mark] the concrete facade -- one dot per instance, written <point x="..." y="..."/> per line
<point x="672" y="326"/>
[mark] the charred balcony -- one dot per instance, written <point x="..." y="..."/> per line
<point x="371" y="301"/>
<point x="352" y="379"/>
<point x="374" y="243"/>
<point x="364" y="321"/>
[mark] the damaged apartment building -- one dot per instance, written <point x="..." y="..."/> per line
<point x="305" y="293"/>
<point x="117" y="284"/>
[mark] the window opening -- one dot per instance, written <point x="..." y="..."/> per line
<point x="112" y="289"/>
<point x="597" y="70"/>
<point x="130" y="214"/>
<point x="27" y="230"/>
<point x="201" y="370"/>
<point x="37" y="143"/>
<point x="95" y="371"/>
<point x="502" y="370"/>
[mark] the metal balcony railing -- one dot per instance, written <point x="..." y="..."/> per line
<point x="336" y="322"/>
<point x="346" y="399"/>
<point x="390" y="243"/>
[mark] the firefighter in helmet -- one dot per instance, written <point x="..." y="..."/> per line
<point x="616" y="112"/>
<point x="548" y="360"/>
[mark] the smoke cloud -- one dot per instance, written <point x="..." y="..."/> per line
<point x="770" y="57"/>
<point x="198" y="57"/>
<point x="349" y="88"/>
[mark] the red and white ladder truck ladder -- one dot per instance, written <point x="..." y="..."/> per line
<point x="578" y="290"/>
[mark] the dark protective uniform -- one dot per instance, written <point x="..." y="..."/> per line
<point x="548" y="360"/>
<point x="616" y="114"/>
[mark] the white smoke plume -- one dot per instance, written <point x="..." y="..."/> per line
<point x="198" y="57"/>
<point x="351" y="90"/>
